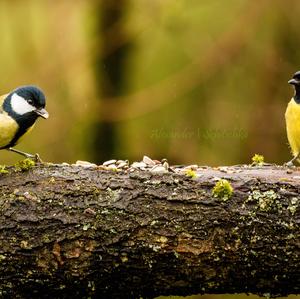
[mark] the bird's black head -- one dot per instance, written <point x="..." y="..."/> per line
<point x="295" y="80"/>
<point x="32" y="95"/>
<point x="26" y="101"/>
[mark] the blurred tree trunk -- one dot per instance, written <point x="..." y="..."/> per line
<point x="110" y="56"/>
<point x="74" y="232"/>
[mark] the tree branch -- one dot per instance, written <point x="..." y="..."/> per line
<point x="77" y="232"/>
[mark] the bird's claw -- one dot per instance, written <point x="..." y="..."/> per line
<point x="35" y="157"/>
<point x="289" y="164"/>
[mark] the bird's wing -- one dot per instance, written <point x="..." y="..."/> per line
<point x="2" y="98"/>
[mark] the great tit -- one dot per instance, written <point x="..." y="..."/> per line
<point x="292" y="118"/>
<point x="19" y="111"/>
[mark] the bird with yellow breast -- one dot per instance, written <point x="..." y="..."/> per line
<point x="292" y="118"/>
<point x="19" y="111"/>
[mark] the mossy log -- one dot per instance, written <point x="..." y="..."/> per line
<point x="77" y="232"/>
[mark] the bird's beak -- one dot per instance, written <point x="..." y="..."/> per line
<point x="42" y="112"/>
<point x="294" y="82"/>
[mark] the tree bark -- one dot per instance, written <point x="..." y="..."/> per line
<point x="76" y="232"/>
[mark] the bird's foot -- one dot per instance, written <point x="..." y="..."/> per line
<point x="35" y="157"/>
<point x="289" y="164"/>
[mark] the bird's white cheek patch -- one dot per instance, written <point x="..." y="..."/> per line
<point x="20" y="105"/>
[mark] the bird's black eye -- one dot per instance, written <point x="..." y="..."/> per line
<point x="30" y="101"/>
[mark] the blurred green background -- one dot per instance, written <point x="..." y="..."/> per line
<point x="197" y="81"/>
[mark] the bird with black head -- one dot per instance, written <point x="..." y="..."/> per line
<point x="19" y="111"/>
<point x="292" y="118"/>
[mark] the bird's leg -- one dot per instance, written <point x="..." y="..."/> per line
<point x="291" y="162"/>
<point x="35" y="157"/>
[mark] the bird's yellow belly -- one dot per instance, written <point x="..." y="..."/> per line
<point x="292" y="117"/>
<point x="8" y="129"/>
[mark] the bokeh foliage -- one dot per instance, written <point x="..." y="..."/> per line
<point x="202" y="81"/>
